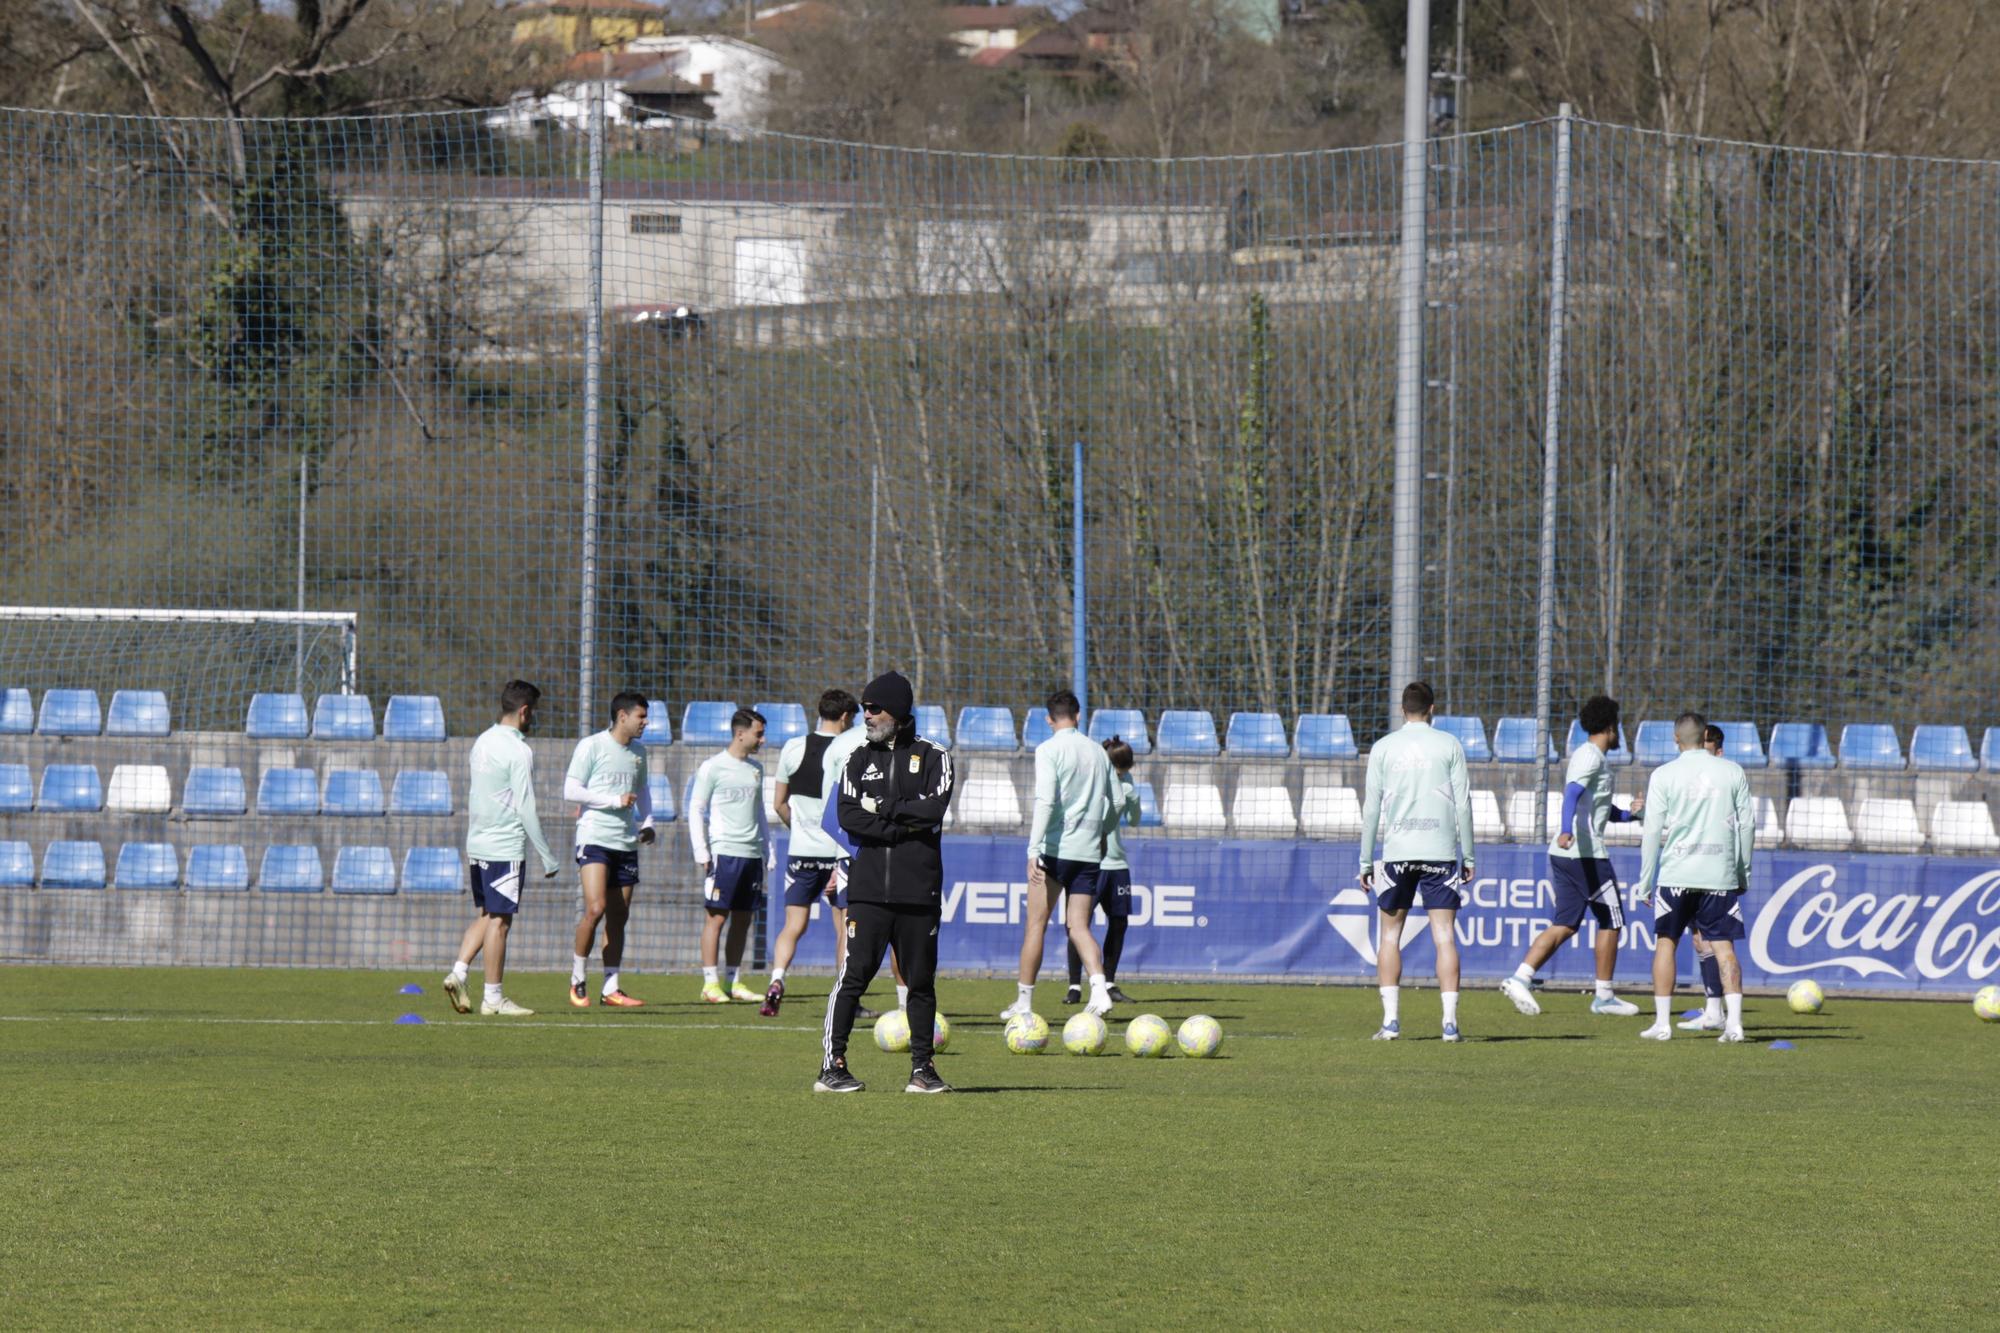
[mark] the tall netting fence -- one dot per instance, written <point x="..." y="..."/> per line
<point x="842" y="393"/>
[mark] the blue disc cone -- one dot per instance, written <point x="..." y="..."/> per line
<point x="411" y="1018"/>
<point x="412" y="989"/>
<point x="1781" y="1046"/>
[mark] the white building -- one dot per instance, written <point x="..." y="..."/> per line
<point x="741" y="74"/>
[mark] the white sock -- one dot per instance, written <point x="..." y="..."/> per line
<point x="576" y="965"/>
<point x="1098" y="983"/>
<point x="1604" y="990"/>
<point x="1524" y="974"/>
<point x="709" y="975"/>
<point x="1662" y="1009"/>
<point x="1391" y="1003"/>
<point x="777" y="975"/>
<point x="1734" y="1005"/>
<point x="1713" y="1009"/>
<point x="902" y="997"/>
<point x="1450" y="998"/>
<point x="610" y="983"/>
<point x="735" y="976"/>
<point x="493" y="995"/>
<point x="458" y="971"/>
<point x="1027" y="996"/>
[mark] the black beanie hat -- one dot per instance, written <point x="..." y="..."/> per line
<point x="892" y="694"/>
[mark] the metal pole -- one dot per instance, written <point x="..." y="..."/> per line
<point x="1405" y="571"/>
<point x="299" y="646"/>
<point x="1545" y="619"/>
<point x="593" y="381"/>
<point x="874" y="534"/>
<point x="1079" y="659"/>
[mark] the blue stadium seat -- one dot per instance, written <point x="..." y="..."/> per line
<point x="932" y="726"/>
<point x="1184" y="733"/>
<point x="1937" y="749"/>
<point x="343" y="717"/>
<point x="364" y="870"/>
<point x="276" y="717"/>
<point x="661" y="787"/>
<point x="1653" y="744"/>
<point x="71" y="788"/>
<point x="73" y="865"/>
<point x="659" y="724"/>
<point x="1800" y="745"/>
<point x="17" y="865"/>
<point x="1514" y="741"/>
<point x="147" y="865"/>
<point x="138" y="713"/>
<point x="1989" y="750"/>
<point x="1620" y="753"/>
<point x="706" y="722"/>
<point x="1130" y="725"/>
<point x="781" y="723"/>
<point x="1870" y="746"/>
<point x="352" y="792"/>
<point x="1149" y="805"/>
<point x="288" y="791"/>
<point x="1742" y="744"/>
<point x="291" y="869"/>
<point x="214" y="792"/>
<point x="413" y="717"/>
<point x="1326" y="736"/>
<point x="17" y="790"/>
<point x="70" y="713"/>
<point x="420" y="791"/>
<point x="987" y="731"/>
<point x="1036" y="729"/>
<point x="1257" y="736"/>
<point x="219" y="869"/>
<point x="1471" y="733"/>
<point x="432" y="870"/>
<point x="17" y="712"/>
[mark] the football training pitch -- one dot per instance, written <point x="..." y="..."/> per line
<point x="235" y="1148"/>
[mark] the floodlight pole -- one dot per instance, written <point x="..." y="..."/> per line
<point x="1545" y="597"/>
<point x="1406" y="505"/>
<point x="593" y="381"/>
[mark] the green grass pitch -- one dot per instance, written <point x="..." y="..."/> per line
<point x="269" y="1148"/>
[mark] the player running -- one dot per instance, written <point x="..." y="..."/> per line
<point x="811" y="857"/>
<point x="1697" y="852"/>
<point x="1073" y="785"/>
<point x="1580" y="868"/>
<point x="1417" y="779"/>
<point x="500" y="806"/>
<point x="1114" y="878"/>
<point x="1710" y="1017"/>
<point x="731" y="842"/>
<point x="607" y="778"/>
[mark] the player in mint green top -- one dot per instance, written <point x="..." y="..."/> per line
<point x="607" y="780"/>
<point x="1418" y="784"/>
<point x="501" y="824"/>
<point x="731" y="838"/>
<point x="1699" y="830"/>
<point x="1065" y="848"/>
<point x="805" y="765"/>
<point x="1114" y="876"/>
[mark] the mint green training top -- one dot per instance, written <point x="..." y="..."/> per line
<point x="1419" y="795"/>
<point x="1072" y="798"/>
<point x="1124" y="808"/>
<point x="500" y="803"/>
<point x="1699" y="826"/>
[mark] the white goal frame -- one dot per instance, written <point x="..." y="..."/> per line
<point x="347" y="622"/>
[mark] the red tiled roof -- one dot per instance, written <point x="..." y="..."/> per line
<point x="588" y="65"/>
<point x="960" y="18"/>
<point x="635" y="8"/>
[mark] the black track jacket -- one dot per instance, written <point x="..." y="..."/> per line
<point x="897" y="857"/>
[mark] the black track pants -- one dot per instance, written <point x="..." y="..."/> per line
<point x="873" y="928"/>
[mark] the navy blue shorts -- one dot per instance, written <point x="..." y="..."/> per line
<point x="623" y="866"/>
<point x="496" y="886"/>
<point x="735" y="885"/>
<point x="806" y="879"/>
<point x="1436" y="881"/>
<point x="1074" y="876"/>
<point x="1114" y="891"/>
<point x="1718" y="916"/>
<point x="1586" y="884"/>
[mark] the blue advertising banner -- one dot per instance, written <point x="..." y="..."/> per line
<point x="1265" y="908"/>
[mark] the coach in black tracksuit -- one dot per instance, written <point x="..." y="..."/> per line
<point x="893" y="796"/>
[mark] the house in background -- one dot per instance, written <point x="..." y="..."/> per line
<point x="640" y="91"/>
<point x="571" y="26"/>
<point x="736" y="76"/>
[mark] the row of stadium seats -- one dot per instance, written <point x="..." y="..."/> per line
<point x="225" y="868"/>
<point x="144" y="789"/>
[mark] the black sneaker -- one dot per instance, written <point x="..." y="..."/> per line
<point x="1074" y="995"/>
<point x="924" y="1078"/>
<point x="863" y="1014"/>
<point x="835" y="1078"/>
<point x="1119" y="996"/>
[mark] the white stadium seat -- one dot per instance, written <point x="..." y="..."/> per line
<point x="1521" y="816"/>
<point x="988" y="799"/>
<point x="139" y="789"/>
<point x="1331" y="812"/>
<point x="1264" y="807"/>
<point x="1486" y="825"/>
<point x="1888" y="825"/>
<point x="1769" y="831"/>
<point x="1818" y="822"/>
<point x="1963" y="826"/>
<point x="1192" y="807"/>
<point x="1630" y="833"/>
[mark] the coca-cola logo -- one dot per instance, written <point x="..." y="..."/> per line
<point x="1809" y="926"/>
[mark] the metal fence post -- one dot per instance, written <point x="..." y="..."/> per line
<point x="1405" y="561"/>
<point x="874" y="535"/>
<point x="1545" y="595"/>
<point x="593" y="380"/>
<point x="1079" y="650"/>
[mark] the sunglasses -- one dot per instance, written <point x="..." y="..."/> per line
<point x="872" y="708"/>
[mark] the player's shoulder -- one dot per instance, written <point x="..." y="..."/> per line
<point x="927" y="746"/>
<point x="1586" y="758"/>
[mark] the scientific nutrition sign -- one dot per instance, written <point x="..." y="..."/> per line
<point x="1277" y="908"/>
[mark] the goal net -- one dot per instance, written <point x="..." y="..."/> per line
<point x="209" y="663"/>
